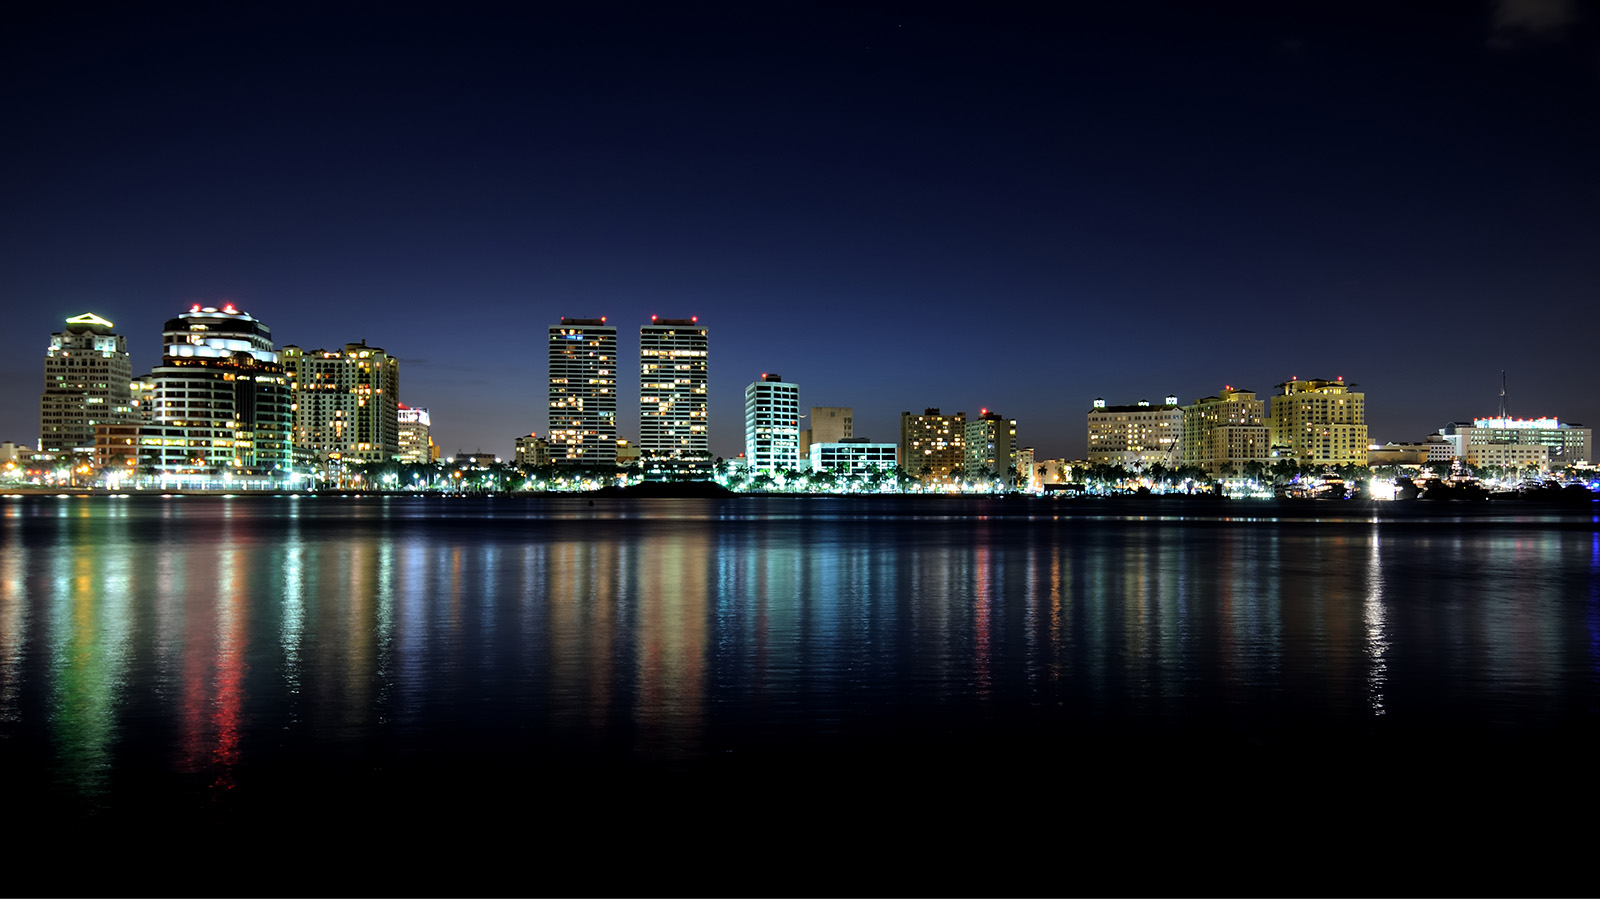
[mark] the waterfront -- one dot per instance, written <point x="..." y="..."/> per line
<point x="264" y="661"/>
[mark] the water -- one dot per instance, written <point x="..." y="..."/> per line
<point x="274" y="664"/>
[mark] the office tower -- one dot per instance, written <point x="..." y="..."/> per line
<point x="221" y="401"/>
<point x="1226" y="432"/>
<point x="346" y="402"/>
<point x="86" y="376"/>
<point x="771" y="425"/>
<point x="990" y="441"/>
<point x="672" y="397"/>
<point x="853" y="456"/>
<point x="583" y="393"/>
<point x="1319" y="422"/>
<point x="1136" y="435"/>
<point x="932" y="445"/>
<point x="416" y="435"/>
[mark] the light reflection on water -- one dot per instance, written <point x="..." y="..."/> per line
<point x="204" y="635"/>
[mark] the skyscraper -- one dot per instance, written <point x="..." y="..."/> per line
<point x="672" y="397"/>
<point x="221" y="401"/>
<point x="346" y="402"/>
<point x="991" y="447"/>
<point x="583" y="392"/>
<point x="86" y="375"/>
<point x="772" y="425"/>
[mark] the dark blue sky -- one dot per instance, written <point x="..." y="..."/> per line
<point x="894" y="205"/>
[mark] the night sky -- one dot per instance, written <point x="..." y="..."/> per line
<point x="895" y="205"/>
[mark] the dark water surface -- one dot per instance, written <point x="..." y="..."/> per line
<point x="841" y="684"/>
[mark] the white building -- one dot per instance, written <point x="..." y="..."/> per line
<point x="772" y="425"/>
<point x="1566" y="444"/>
<point x="853" y="457"/>
<point x="583" y="392"/>
<point x="221" y="400"/>
<point x="672" y="396"/>
<point x="416" y="435"/>
<point x="1137" y="434"/>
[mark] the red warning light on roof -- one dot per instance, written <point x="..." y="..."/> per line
<point x="195" y="308"/>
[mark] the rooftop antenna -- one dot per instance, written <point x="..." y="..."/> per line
<point x="1502" y="394"/>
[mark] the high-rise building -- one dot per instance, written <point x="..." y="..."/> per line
<point x="86" y="375"/>
<point x="1319" y="422"/>
<point x="1226" y="432"/>
<point x="583" y="392"/>
<point x="221" y="401"/>
<point x="416" y="435"/>
<point x="772" y="425"/>
<point x="990" y="441"/>
<point x="1136" y="435"/>
<point x="672" y="397"/>
<point x="345" y="402"/>
<point x="932" y="445"/>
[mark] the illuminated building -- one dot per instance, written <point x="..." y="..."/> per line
<point x="1226" y="432"/>
<point x="532" y="451"/>
<point x="415" y="435"/>
<point x="86" y="375"/>
<point x="932" y="445"/>
<point x="1319" y="422"/>
<point x="772" y="425"/>
<point x="345" y="402"/>
<point x="990" y="441"/>
<point x="852" y="456"/>
<point x="1136" y="435"/>
<point x="829" y="424"/>
<point x="583" y="392"/>
<point x="672" y="397"/>
<point x="1566" y="444"/>
<point x="1027" y="477"/>
<point x="221" y="400"/>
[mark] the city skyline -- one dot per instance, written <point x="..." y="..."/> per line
<point x="899" y="208"/>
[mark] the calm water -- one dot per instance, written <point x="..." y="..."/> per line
<point x="228" y="660"/>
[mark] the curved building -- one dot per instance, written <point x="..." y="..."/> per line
<point x="221" y="401"/>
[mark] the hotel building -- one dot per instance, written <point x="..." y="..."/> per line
<point x="672" y="397"/>
<point x="1223" y="433"/>
<point x="772" y="425"/>
<point x="933" y="445"/>
<point x="583" y="392"/>
<point x="1135" y="435"/>
<point x="346" y="402"/>
<point x="86" y="377"/>
<point x="1319" y="422"/>
<point x="221" y="400"/>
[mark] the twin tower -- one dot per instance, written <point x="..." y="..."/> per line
<point x="672" y="394"/>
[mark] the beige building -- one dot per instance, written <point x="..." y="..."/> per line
<point x="346" y="402"/>
<point x="932" y="445"/>
<point x="1507" y="454"/>
<point x="532" y="451"/>
<point x="1318" y="422"/>
<point x="1567" y="444"/>
<point x="829" y="424"/>
<point x="1135" y="435"/>
<point x="1223" y="433"/>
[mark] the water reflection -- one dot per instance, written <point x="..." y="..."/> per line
<point x="215" y="635"/>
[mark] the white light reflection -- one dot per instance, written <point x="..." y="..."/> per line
<point x="1377" y="634"/>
